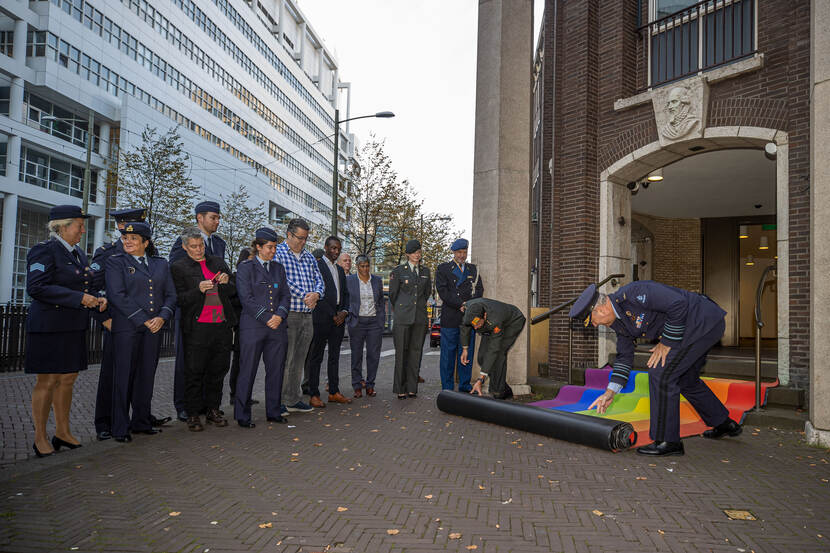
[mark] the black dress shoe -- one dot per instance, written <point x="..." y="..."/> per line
<point x="182" y="416"/>
<point x="662" y="448"/>
<point x="412" y="395"/>
<point x="279" y="420"/>
<point x="149" y="431"/>
<point x="254" y="402"/>
<point x="248" y="424"/>
<point x="123" y="439"/>
<point x="159" y="422"/>
<point x="506" y="394"/>
<point x="57" y="443"/>
<point x="401" y="396"/>
<point x="39" y="454"/>
<point x="728" y="427"/>
<point x="103" y="435"/>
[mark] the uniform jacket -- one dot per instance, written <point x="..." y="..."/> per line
<point x="353" y="284"/>
<point x="454" y="288"/>
<point x="57" y="283"/>
<point x="262" y="294"/>
<point x="650" y="310"/>
<point x="328" y="307"/>
<point x="177" y="251"/>
<point x="99" y="263"/>
<point x="499" y="315"/>
<point x="408" y="293"/>
<point x="187" y="274"/>
<point x="136" y="294"/>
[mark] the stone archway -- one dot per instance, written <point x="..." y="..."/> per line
<point x="615" y="213"/>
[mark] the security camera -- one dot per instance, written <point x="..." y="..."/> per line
<point x="644" y="184"/>
<point x="634" y="187"/>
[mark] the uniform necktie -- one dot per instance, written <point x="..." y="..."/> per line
<point x="77" y="256"/>
<point x="210" y="244"/>
<point x="143" y="262"/>
<point x="267" y="266"/>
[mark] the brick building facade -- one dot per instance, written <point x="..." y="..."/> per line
<point x="598" y="77"/>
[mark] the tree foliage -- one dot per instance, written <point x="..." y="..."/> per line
<point x="154" y="175"/>
<point x="240" y="221"/>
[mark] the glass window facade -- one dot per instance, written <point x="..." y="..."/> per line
<point x="53" y="173"/>
<point x="31" y="229"/>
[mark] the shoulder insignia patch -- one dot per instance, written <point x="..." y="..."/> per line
<point x="36" y="267"/>
<point x="641" y="298"/>
<point x="95" y="267"/>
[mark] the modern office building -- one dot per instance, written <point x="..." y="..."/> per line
<point x="249" y="85"/>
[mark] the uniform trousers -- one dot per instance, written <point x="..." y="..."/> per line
<point x="300" y="331"/>
<point x="681" y="375"/>
<point x="409" y="342"/>
<point x="207" y="356"/>
<point x="270" y="346"/>
<point x="103" y="398"/>
<point x="492" y="353"/>
<point x="181" y="363"/>
<point x="235" y="353"/>
<point x="367" y="332"/>
<point x="451" y="352"/>
<point x="136" y="358"/>
<point x="329" y="335"/>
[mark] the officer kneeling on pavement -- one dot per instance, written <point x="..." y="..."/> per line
<point x="499" y="324"/>
<point x="687" y="325"/>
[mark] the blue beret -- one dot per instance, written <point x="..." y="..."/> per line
<point x="66" y="212"/>
<point x="413" y="246"/>
<point x="267" y="234"/>
<point x="140" y="228"/>
<point x="581" y="309"/>
<point x="207" y="207"/>
<point x="129" y="214"/>
<point x="459" y="244"/>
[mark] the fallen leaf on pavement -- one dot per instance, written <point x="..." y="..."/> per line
<point x="428" y="496"/>
<point x="341" y="509"/>
<point x="480" y="487"/>
<point x="597" y="512"/>
<point x="471" y="547"/>
<point x="392" y="531"/>
<point x="455" y="536"/>
<point x="660" y="532"/>
<point x="510" y="500"/>
<point x="642" y="478"/>
<point x="175" y="513"/>
<point x="266" y="525"/>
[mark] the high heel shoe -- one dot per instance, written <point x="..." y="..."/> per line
<point x="39" y="454"/>
<point x="57" y="443"/>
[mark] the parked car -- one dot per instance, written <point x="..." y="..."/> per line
<point x="435" y="333"/>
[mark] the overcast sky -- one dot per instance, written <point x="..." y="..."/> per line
<point x="416" y="58"/>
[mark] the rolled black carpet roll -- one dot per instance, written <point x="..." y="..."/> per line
<point x="571" y="427"/>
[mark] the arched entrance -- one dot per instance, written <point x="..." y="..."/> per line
<point x="619" y="231"/>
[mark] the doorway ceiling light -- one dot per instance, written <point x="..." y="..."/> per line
<point x="749" y="261"/>
<point x="655" y="176"/>
<point x="743" y="231"/>
<point x="764" y="245"/>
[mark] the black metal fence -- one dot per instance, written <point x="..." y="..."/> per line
<point x="703" y="36"/>
<point x="13" y="339"/>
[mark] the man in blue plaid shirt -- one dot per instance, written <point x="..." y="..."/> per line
<point x="306" y="286"/>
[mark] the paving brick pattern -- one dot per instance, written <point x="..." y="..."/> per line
<point x="399" y="476"/>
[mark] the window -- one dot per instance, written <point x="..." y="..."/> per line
<point x="7" y="43"/>
<point x="5" y="94"/>
<point x="41" y="169"/>
<point x="4" y="146"/>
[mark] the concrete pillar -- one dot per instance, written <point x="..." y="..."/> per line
<point x="281" y="12"/>
<point x="16" y="100"/>
<point x="104" y="142"/>
<point x="21" y="28"/>
<point x="321" y="64"/>
<point x="301" y="39"/>
<point x="501" y="173"/>
<point x="13" y="157"/>
<point x="100" y="229"/>
<point x="818" y="427"/>
<point x="8" y="245"/>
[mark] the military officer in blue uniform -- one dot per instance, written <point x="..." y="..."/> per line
<point x="208" y="216"/>
<point x="687" y="325"/>
<point x="103" y="400"/>
<point x="263" y="291"/>
<point x="142" y="298"/>
<point x="64" y="289"/>
<point x="456" y="282"/>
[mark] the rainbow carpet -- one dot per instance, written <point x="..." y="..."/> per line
<point x="632" y="403"/>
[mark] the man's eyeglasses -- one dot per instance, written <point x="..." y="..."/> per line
<point x="300" y="238"/>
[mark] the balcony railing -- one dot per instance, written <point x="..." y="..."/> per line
<point x="698" y="38"/>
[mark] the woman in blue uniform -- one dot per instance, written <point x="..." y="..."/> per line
<point x="142" y="298"/>
<point x="63" y="289"/>
<point x="265" y="298"/>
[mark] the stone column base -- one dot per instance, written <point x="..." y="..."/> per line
<point x="815" y="436"/>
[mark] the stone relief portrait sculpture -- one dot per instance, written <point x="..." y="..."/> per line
<point x="681" y="120"/>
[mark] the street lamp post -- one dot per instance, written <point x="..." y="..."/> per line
<point x="335" y="181"/>
<point x="87" y="169"/>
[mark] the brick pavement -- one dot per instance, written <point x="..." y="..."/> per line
<point x="387" y="475"/>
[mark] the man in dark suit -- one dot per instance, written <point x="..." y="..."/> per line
<point x="328" y="318"/>
<point x="367" y="315"/>
<point x="409" y="288"/>
<point x="207" y="219"/>
<point x="205" y="292"/>
<point x="457" y="282"/>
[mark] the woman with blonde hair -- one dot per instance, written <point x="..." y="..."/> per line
<point x="63" y="289"/>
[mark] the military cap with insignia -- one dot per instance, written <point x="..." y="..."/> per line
<point x="459" y="244"/>
<point x="139" y="228"/>
<point x="412" y="246"/>
<point x="581" y="309"/>
<point x="267" y="234"/>
<point x="129" y="214"/>
<point x="207" y="207"/>
<point x="66" y="212"/>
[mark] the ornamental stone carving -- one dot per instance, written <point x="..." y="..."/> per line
<point x="680" y="110"/>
